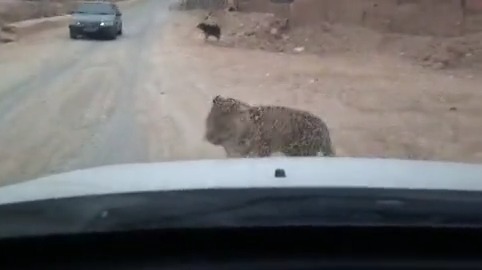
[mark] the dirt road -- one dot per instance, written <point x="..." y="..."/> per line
<point x="66" y="105"/>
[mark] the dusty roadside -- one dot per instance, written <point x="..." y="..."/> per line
<point x="376" y="105"/>
<point x="19" y="10"/>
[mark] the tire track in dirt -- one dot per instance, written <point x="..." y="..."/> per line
<point x="80" y="112"/>
<point x="179" y="103"/>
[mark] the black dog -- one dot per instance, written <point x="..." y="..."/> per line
<point x="210" y="30"/>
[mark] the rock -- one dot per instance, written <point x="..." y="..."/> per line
<point x="438" y="65"/>
<point x="8" y="29"/>
<point x="299" y="49"/>
<point x="6" y="37"/>
<point x="274" y="31"/>
<point x="325" y="27"/>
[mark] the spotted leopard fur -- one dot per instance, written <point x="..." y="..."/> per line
<point x="260" y="131"/>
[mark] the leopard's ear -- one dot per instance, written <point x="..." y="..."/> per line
<point x="217" y="99"/>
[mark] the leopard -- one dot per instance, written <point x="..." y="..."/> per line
<point x="245" y="130"/>
<point x="228" y="126"/>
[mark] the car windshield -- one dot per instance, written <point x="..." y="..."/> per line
<point x="95" y="8"/>
<point x="221" y="94"/>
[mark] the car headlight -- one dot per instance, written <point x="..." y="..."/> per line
<point x="74" y="22"/>
<point x="106" y="23"/>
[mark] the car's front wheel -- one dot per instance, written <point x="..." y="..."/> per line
<point x="112" y="34"/>
<point x="73" y="35"/>
<point x="120" y="31"/>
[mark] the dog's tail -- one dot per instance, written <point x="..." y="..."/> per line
<point x="210" y="14"/>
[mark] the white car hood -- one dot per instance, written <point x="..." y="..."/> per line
<point x="249" y="173"/>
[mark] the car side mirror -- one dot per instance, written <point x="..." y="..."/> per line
<point x="119" y="13"/>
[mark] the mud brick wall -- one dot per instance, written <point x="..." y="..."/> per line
<point x="419" y="17"/>
<point x="264" y="6"/>
<point x="473" y="16"/>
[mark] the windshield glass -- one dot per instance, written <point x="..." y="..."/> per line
<point x="206" y="94"/>
<point x="95" y="8"/>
